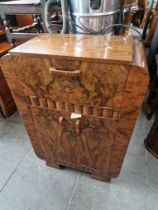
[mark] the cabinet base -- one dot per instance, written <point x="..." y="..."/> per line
<point x="93" y="175"/>
<point x="151" y="150"/>
<point x="53" y="165"/>
<point x="100" y="177"/>
<point x="8" y="110"/>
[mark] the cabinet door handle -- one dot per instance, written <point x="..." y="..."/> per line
<point x="78" y="130"/>
<point x="61" y="121"/>
<point x="59" y="131"/>
<point x="75" y="73"/>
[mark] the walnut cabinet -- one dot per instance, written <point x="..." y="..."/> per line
<point x="79" y="97"/>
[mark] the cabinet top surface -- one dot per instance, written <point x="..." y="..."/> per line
<point x="109" y="48"/>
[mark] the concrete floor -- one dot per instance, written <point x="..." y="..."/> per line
<point x="27" y="184"/>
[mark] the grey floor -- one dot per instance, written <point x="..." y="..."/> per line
<point x="27" y="184"/>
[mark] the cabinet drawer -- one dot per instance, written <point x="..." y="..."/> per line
<point x="85" y="141"/>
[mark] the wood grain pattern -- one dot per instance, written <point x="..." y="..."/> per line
<point x="105" y="94"/>
<point x="104" y="87"/>
<point x="77" y="47"/>
<point x="85" y="150"/>
<point x="132" y="102"/>
<point x="134" y="93"/>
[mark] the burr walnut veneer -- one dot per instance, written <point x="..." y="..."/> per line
<point x="79" y="97"/>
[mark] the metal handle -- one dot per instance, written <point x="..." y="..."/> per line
<point x="74" y="73"/>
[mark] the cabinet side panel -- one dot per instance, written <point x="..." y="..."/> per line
<point x="9" y="68"/>
<point x="135" y="91"/>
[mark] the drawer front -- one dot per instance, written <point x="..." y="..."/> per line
<point x="73" y="81"/>
<point x="84" y="142"/>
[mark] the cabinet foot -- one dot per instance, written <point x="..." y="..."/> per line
<point x="100" y="177"/>
<point x="54" y="165"/>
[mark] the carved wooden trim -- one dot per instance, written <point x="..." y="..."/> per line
<point x="102" y="112"/>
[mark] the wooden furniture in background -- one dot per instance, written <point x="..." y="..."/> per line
<point x="7" y="105"/>
<point x="138" y="17"/>
<point x="151" y="142"/>
<point x="151" y="102"/>
<point x="33" y="7"/>
<point x="24" y="20"/>
<point x="2" y="32"/>
<point x="152" y="24"/>
<point x="79" y="97"/>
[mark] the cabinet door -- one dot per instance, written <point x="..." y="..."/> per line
<point x="91" y="83"/>
<point x="73" y="81"/>
<point x="84" y="143"/>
